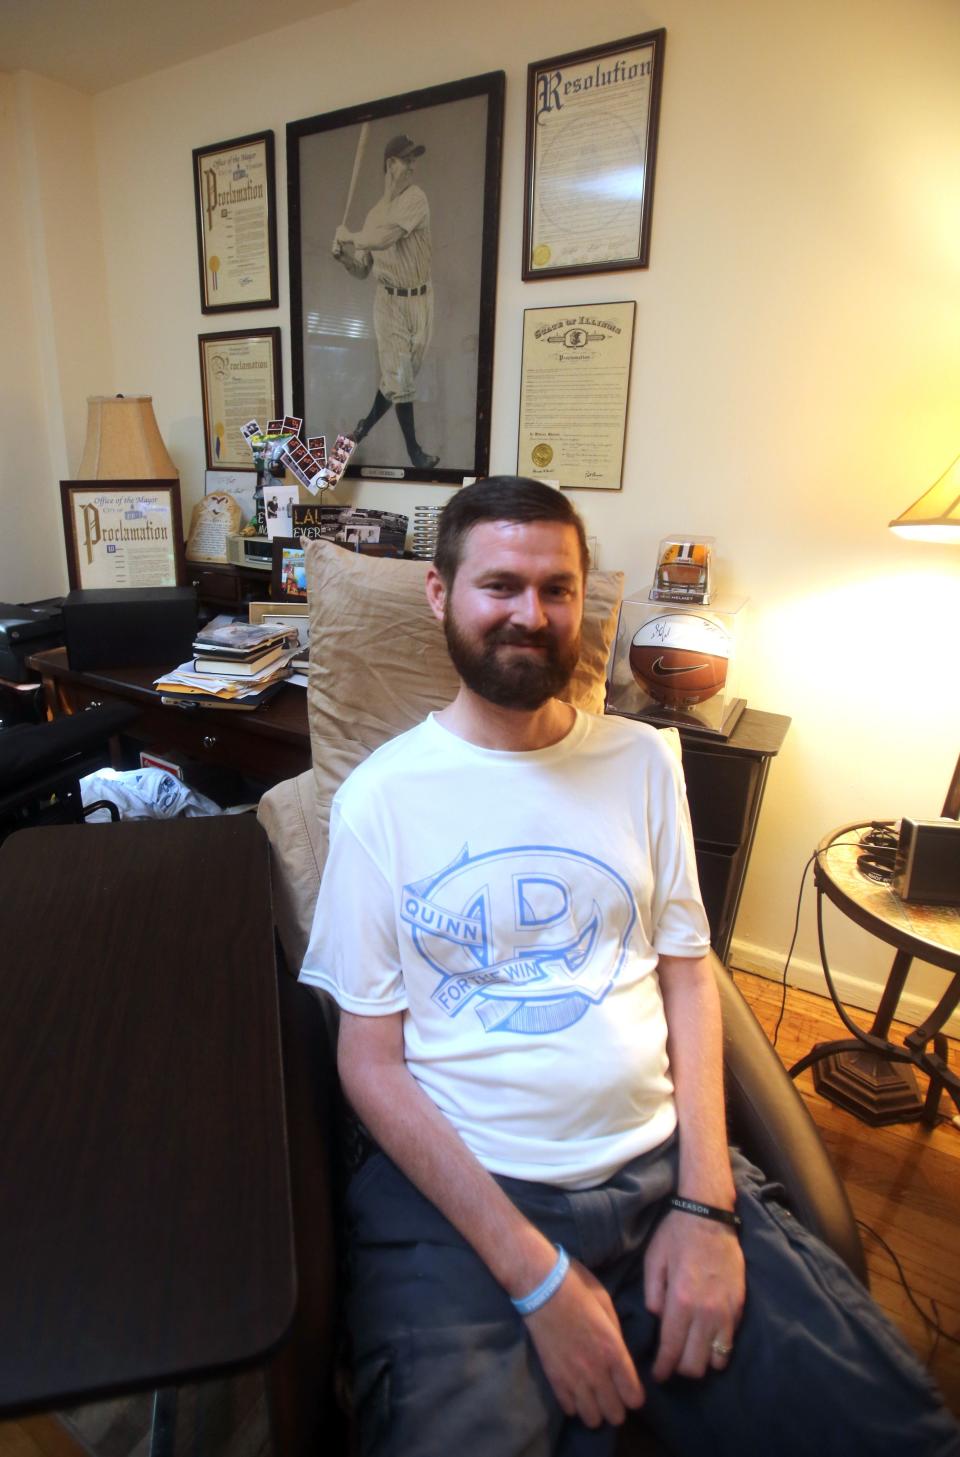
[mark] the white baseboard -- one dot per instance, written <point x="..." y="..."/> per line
<point x="852" y="990"/>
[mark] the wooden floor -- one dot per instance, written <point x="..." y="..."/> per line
<point x="903" y="1181"/>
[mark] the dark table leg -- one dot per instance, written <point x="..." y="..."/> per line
<point x="862" y="1074"/>
<point x="163" y="1431"/>
<point x="892" y="992"/>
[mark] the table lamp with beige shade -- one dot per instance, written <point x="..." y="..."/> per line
<point x="123" y="441"/>
<point x="121" y="514"/>
<point x="935" y="517"/>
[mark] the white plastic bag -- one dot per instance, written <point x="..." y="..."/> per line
<point x="144" y="794"/>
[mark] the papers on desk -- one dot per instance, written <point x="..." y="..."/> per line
<point x="185" y="683"/>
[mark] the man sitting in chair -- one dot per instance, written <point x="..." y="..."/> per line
<point x="554" y="1230"/>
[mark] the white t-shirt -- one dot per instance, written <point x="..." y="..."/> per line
<point x="513" y="907"/>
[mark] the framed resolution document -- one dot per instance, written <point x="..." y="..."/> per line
<point x="573" y="394"/>
<point x="592" y="119"/>
<point x="240" y="376"/>
<point x="234" y="189"/>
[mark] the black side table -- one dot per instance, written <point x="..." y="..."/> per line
<point x="867" y="1073"/>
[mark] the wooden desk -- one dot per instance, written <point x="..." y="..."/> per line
<point x="866" y="1073"/>
<point x="268" y="744"/>
<point x="145" y="1225"/>
<point x="725" y="778"/>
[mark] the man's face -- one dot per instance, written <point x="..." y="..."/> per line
<point x="512" y="616"/>
<point x="402" y="171"/>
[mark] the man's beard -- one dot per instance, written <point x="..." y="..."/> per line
<point x="520" y="680"/>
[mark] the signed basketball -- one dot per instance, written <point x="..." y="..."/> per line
<point x="680" y="658"/>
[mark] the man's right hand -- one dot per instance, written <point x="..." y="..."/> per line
<point x="580" y="1344"/>
<point x="576" y="1334"/>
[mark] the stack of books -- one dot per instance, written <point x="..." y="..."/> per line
<point x="236" y="665"/>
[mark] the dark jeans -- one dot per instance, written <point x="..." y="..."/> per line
<point x="443" y="1366"/>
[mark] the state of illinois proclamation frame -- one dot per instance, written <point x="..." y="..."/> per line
<point x="574" y="383"/>
<point x="592" y="121"/>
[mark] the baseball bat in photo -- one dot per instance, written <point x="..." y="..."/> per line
<point x="357" y="163"/>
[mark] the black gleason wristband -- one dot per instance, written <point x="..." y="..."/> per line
<point x="705" y="1211"/>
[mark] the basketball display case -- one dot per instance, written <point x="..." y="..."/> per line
<point x="676" y="663"/>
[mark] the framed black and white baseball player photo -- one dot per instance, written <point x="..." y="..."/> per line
<point x="394" y="214"/>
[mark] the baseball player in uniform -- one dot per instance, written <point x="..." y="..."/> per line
<point x="394" y="243"/>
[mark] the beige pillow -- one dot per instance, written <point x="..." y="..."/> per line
<point x="379" y="664"/>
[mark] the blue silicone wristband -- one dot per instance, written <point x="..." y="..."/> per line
<point x="547" y="1287"/>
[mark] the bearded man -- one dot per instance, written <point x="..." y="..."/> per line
<point x="553" y="1230"/>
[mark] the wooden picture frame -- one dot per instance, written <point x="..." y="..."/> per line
<point x="288" y="613"/>
<point x="593" y="118"/>
<point x="123" y="533"/>
<point x="435" y="419"/>
<point x="241" y="378"/>
<point x="575" y="366"/>
<point x="288" y="580"/>
<point x="235" y="192"/>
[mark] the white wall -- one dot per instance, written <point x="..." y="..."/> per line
<point x="797" y="359"/>
<point x="26" y="477"/>
<point x="56" y="341"/>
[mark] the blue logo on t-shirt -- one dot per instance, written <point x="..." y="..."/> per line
<point x="530" y="936"/>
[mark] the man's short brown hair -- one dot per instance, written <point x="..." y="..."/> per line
<point x="501" y="498"/>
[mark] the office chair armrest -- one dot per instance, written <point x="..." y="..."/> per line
<point x="29" y="749"/>
<point x="769" y="1121"/>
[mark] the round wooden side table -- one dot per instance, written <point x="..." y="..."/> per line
<point x="866" y="1073"/>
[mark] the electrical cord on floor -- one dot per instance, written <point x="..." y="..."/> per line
<point x="877" y="838"/>
<point x="793" y="942"/>
<point x="933" y="1322"/>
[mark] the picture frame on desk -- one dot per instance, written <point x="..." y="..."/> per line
<point x="123" y="533"/>
<point x="593" y="118"/>
<point x="291" y="614"/>
<point x="234" y="187"/>
<point x="288" y="581"/>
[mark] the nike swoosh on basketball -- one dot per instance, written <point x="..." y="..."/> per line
<point x="663" y="671"/>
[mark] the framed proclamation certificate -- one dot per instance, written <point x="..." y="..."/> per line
<point x="234" y="189"/>
<point x="240" y="376"/>
<point x="123" y="533"/>
<point x="573" y="394"/>
<point x="592" y="119"/>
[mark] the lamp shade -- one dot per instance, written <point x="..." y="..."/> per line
<point x="936" y="515"/>
<point x="123" y="441"/>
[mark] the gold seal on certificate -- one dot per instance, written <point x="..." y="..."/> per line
<point x="573" y="393"/>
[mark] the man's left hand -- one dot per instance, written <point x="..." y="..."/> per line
<point x="694" y="1280"/>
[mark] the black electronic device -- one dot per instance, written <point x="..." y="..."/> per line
<point x="27" y="628"/>
<point x="927" y="866"/>
<point x="126" y="627"/>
